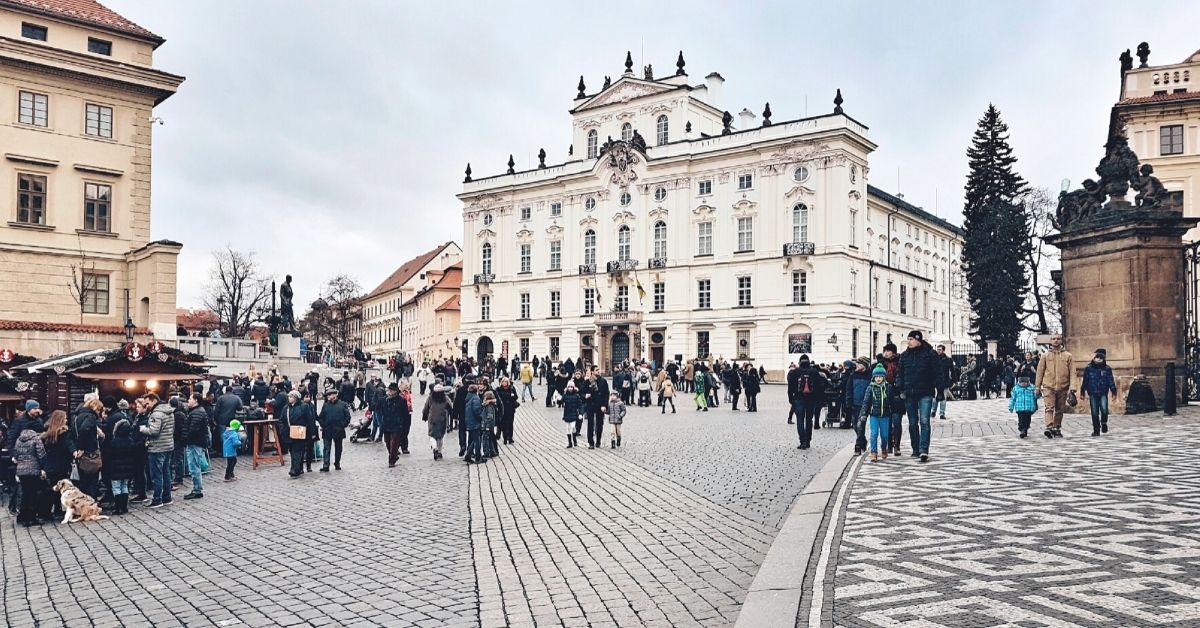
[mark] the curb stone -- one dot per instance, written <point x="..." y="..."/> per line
<point x="774" y="595"/>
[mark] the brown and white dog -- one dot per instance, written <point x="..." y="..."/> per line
<point x="78" y="505"/>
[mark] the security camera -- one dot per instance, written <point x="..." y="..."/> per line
<point x="156" y="119"/>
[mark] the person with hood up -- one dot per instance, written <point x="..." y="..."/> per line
<point x="891" y="363"/>
<point x="121" y="463"/>
<point x="29" y="455"/>
<point x="917" y="380"/>
<point x="573" y="411"/>
<point x="436" y="415"/>
<point x="1098" y="385"/>
<point x="875" y="407"/>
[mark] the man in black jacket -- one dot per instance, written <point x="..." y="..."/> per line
<point x="806" y="389"/>
<point x="596" y="401"/>
<point x="919" y="377"/>
<point x="334" y="418"/>
<point x="456" y="412"/>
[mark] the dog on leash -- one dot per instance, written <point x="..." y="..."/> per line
<point x="78" y="505"/>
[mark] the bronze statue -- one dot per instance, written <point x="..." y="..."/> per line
<point x="287" y="318"/>
<point x="1143" y="53"/>
<point x="607" y="83"/>
<point x="1126" y="62"/>
<point x="648" y="72"/>
<point x="1151" y="192"/>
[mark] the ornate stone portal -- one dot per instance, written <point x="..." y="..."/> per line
<point x="1122" y="272"/>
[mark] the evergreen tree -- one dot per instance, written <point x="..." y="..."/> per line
<point x="998" y="239"/>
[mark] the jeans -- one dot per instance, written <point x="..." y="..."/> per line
<point x="1099" y="405"/>
<point x="31" y="489"/>
<point x="879" y="432"/>
<point x="463" y="441"/>
<point x="918" y="423"/>
<point x="195" y="464"/>
<point x="527" y="388"/>
<point x="940" y="408"/>
<point x="120" y="487"/>
<point x="860" y="430"/>
<point x="896" y="431"/>
<point x="332" y="449"/>
<point x="160" y="464"/>
<point x="178" y="467"/>
<point x="804" y="419"/>
<point x="474" y="445"/>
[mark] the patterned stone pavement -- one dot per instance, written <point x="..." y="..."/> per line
<point x="668" y="530"/>
<point x="996" y="531"/>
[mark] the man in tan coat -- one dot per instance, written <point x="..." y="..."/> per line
<point x="1055" y="379"/>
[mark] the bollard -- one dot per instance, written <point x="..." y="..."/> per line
<point x="1169" y="391"/>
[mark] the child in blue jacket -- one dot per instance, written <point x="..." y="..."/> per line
<point x="1024" y="403"/>
<point x="1098" y="384"/>
<point x="231" y="439"/>
<point x="876" y="405"/>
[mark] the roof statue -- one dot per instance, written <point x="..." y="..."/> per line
<point x="607" y="82"/>
<point x="581" y="87"/>
<point x="1103" y="202"/>
<point x="1150" y="191"/>
<point x="541" y="158"/>
<point x="679" y="63"/>
<point x="767" y="115"/>
<point x="511" y="163"/>
<point x="628" y="62"/>
<point x="1126" y="62"/>
<point x="467" y="179"/>
<point x="638" y="141"/>
<point x="837" y="101"/>
<point x="648" y="72"/>
<point x="1143" y="53"/>
<point x="726" y="121"/>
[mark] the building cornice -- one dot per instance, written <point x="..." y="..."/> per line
<point x="88" y="69"/>
<point x="146" y="36"/>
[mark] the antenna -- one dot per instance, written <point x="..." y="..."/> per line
<point x="935" y="203"/>
<point x="806" y="105"/>
<point x="898" y="191"/>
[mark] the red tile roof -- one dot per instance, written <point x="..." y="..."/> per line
<point x="87" y="329"/>
<point x="452" y="304"/>
<point x="1157" y="98"/>
<point x="87" y="12"/>
<point x="452" y="277"/>
<point x="406" y="271"/>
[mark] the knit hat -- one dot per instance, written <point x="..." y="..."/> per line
<point x="235" y="425"/>
<point x="1101" y="353"/>
<point x="122" y="405"/>
<point x="916" y="335"/>
<point x="804" y="361"/>
<point x="31" y="404"/>
<point x="393" y="386"/>
<point x="848" y="364"/>
<point x="890" y="347"/>
<point x="865" y="361"/>
<point x="879" y="371"/>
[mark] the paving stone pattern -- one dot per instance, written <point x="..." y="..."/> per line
<point x="997" y="531"/>
<point x="669" y="530"/>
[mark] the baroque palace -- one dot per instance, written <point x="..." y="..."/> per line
<point x="672" y="232"/>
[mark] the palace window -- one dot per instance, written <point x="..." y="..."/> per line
<point x="97" y="207"/>
<point x="1170" y="140"/>
<point x="904" y="299"/>
<point x="526" y="258"/>
<point x="660" y="296"/>
<point x="854" y="341"/>
<point x="589" y="247"/>
<point x="99" y="46"/>
<point x="34" y="109"/>
<point x="799" y="287"/>
<point x="593" y="144"/>
<point x="854" y="289"/>
<point x="627" y="131"/>
<point x="854" y="227"/>
<point x="99" y="121"/>
<point x="745" y="181"/>
<point x="589" y="301"/>
<point x="623" y="243"/>
<point x="555" y="209"/>
<point x="524" y="306"/>
<point x="554" y="348"/>
<point x="743" y="292"/>
<point x="662" y="125"/>
<point x="660" y="194"/>
<point x="704" y="239"/>
<point x="33" y="31"/>
<point x="625" y="199"/>
<point x="743" y="343"/>
<point x="485" y="307"/>
<point x="95" y="293"/>
<point x="31" y="199"/>
<point x="702" y="344"/>
<point x="704" y="189"/>
<point x="800" y="222"/>
<point x="555" y="304"/>
<point x="524" y="344"/>
<point x="526" y="213"/>
<point x="622" y="303"/>
<point x="704" y="294"/>
<point x="660" y="240"/>
<point x="556" y="255"/>
<point x="485" y="258"/>
<point x="745" y="234"/>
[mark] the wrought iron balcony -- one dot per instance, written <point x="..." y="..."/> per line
<point x="657" y="262"/>
<point x="618" y="317"/>
<point x="587" y="269"/>
<point x="485" y="278"/>
<point x="798" y="248"/>
<point x="622" y="266"/>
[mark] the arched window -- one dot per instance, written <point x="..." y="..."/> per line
<point x="593" y="144"/>
<point x="660" y="240"/>
<point x="627" y="131"/>
<point x="589" y="247"/>
<point x="623" y="237"/>
<point x="662" y="127"/>
<point x="485" y="256"/>
<point x="800" y="223"/>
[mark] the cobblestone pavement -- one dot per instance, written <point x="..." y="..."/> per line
<point x="667" y="530"/>
<point x="998" y="531"/>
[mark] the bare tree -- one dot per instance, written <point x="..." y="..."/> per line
<point x="83" y="280"/>
<point x="332" y="319"/>
<point x="238" y="291"/>
<point x="1042" y="311"/>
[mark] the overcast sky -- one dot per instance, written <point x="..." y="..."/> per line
<point x="331" y="136"/>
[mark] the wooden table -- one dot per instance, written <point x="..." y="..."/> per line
<point x="265" y="444"/>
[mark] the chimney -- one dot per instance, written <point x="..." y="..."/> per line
<point x="715" y="84"/>
<point x="747" y="117"/>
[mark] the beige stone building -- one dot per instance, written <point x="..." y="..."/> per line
<point x="77" y="95"/>
<point x="1161" y="112"/>
<point x="431" y="316"/>
<point x="385" y="330"/>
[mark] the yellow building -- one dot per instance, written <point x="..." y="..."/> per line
<point x="1161" y="113"/>
<point x="77" y="96"/>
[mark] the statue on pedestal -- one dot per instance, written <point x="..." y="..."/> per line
<point x="1119" y="170"/>
<point x="1151" y="192"/>
<point x="287" y="318"/>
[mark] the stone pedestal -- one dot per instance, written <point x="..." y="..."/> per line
<point x="289" y="346"/>
<point x="1123" y="290"/>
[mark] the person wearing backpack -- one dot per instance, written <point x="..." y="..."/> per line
<point x="918" y="379"/>
<point x="643" y="387"/>
<point x="29" y="454"/>
<point x="806" y="387"/>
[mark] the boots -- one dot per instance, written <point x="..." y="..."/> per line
<point x="874" y="457"/>
<point x="570" y="441"/>
<point x="613" y="444"/>
<point x="618" y="441"/>
<point x="122" y="504"/>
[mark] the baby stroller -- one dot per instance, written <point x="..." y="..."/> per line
<point x="362" y="428"/>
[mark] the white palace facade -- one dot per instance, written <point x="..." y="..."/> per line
<point x="671" y="232"/>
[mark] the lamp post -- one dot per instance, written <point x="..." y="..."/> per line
<point x="220" y="310"/>
<point x="129" y="329"/>
<point x="833" y="340"/>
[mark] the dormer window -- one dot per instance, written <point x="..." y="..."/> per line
<point x="99" y="46"/>
<point x="626" y="131"/>
<point x="33" y="31"/>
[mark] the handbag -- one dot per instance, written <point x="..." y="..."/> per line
<point x="90" y="464"/>
<point x="296" y="432"/>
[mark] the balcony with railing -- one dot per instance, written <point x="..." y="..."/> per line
<point x="792" y="249"/>
<point x="485" y="278"/>
<point x="587" y="269"/>
<point x="619" y="317"/>
<point x="657" y="262"/>
<point x="622" y="265"/>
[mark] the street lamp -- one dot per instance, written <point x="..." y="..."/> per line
<point x="129" y="328"/>
<point x="833" y="340"/>
<point x="220" y="309"/>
